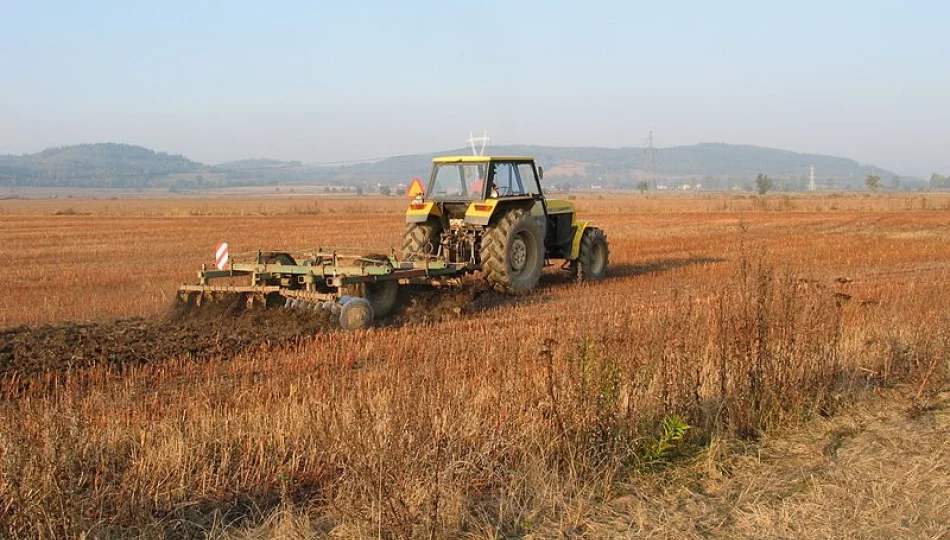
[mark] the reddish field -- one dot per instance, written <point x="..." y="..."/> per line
<point x="503" y="417"/>
<point x="100" y="259"/>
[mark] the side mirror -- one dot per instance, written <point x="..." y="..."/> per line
<point x="540" y="173"/>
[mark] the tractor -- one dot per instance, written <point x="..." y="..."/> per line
<point x="489" y="213"/>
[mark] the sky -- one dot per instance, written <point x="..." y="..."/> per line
<point x="335" y="81"/>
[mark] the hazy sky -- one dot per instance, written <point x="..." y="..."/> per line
<point x="329" y="81"/>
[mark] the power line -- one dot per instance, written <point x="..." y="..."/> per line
<point x="478" y="144"/>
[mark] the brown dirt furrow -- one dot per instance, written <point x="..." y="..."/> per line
<point x="215" y="329"/>
<point x="26" y="350"/>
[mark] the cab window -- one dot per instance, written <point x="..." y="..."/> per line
<point x="510" y="181"/>
<point x="457" y="180"/>
<point x="526" y="172"/>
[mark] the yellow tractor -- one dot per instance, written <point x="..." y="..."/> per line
<point x="489" y="213"/>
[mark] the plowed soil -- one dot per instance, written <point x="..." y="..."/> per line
<point x="213" y="330"/>
<point x="29" y="350"/>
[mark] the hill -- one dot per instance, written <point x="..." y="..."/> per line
<point x="713" y="165"/>
<point x="720" y="164"/>
<point x="94" y="165"/>
<point x="253" y="164"/>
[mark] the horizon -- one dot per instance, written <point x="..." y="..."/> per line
<point x="335" y="84"/>
<point x="442" y="151"/>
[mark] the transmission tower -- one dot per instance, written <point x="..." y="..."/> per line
<point x="649" y="152"/>
<point x="478" y="144"/>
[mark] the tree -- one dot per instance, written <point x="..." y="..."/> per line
<point x="938" y="181"/>
<point x="643" y="186"/>
<point x="763" y="184"/>
<point x="896" y="182"/>
<point x="359" y="190"/>
<point x="384" y="190"/>
<point x="872" y="182"/>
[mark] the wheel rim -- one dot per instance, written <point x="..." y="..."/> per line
<point x="519" y="254"/>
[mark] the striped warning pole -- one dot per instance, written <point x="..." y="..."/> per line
<point x="221" y="255"/>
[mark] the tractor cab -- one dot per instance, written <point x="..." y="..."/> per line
<point x="471" y="179"/>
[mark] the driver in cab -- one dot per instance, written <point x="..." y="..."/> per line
<point x="477" y="188"/>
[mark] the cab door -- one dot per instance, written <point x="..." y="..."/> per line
<point x="528" y="176"/>
<point x="518" y="180"/>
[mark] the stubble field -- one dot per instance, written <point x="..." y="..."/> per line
<point x="470" y="413"/>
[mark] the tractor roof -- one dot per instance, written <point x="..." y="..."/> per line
<point x="481" y="159"/>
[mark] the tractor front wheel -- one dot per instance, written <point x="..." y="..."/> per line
<point x="512" y="252"/>
<point x="591" y="262"/>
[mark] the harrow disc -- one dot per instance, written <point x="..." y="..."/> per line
<point x="356" y="314"/>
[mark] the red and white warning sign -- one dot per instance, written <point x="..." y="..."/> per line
<point x="221" y="255"/>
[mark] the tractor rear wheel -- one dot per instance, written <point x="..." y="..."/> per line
<point x="421" y="239"/>
<point x="591" y="263"/>
<point x="382" y="295"/>
<point x="512" y="252"/>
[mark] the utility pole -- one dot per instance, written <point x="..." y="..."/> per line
<point x="649" y="153"/>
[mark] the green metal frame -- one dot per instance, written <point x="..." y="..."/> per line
<point x="323" y="268"/>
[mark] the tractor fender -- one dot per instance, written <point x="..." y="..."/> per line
<point x="420" y="212"/>
<point x="576" y="242"/>
<point x="480" y="212"/>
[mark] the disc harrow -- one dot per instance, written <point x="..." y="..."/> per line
<point x="353" y="289"/>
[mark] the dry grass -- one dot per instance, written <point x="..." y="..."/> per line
<point x="534" y="416"/>
<point x="880" y="469"/>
